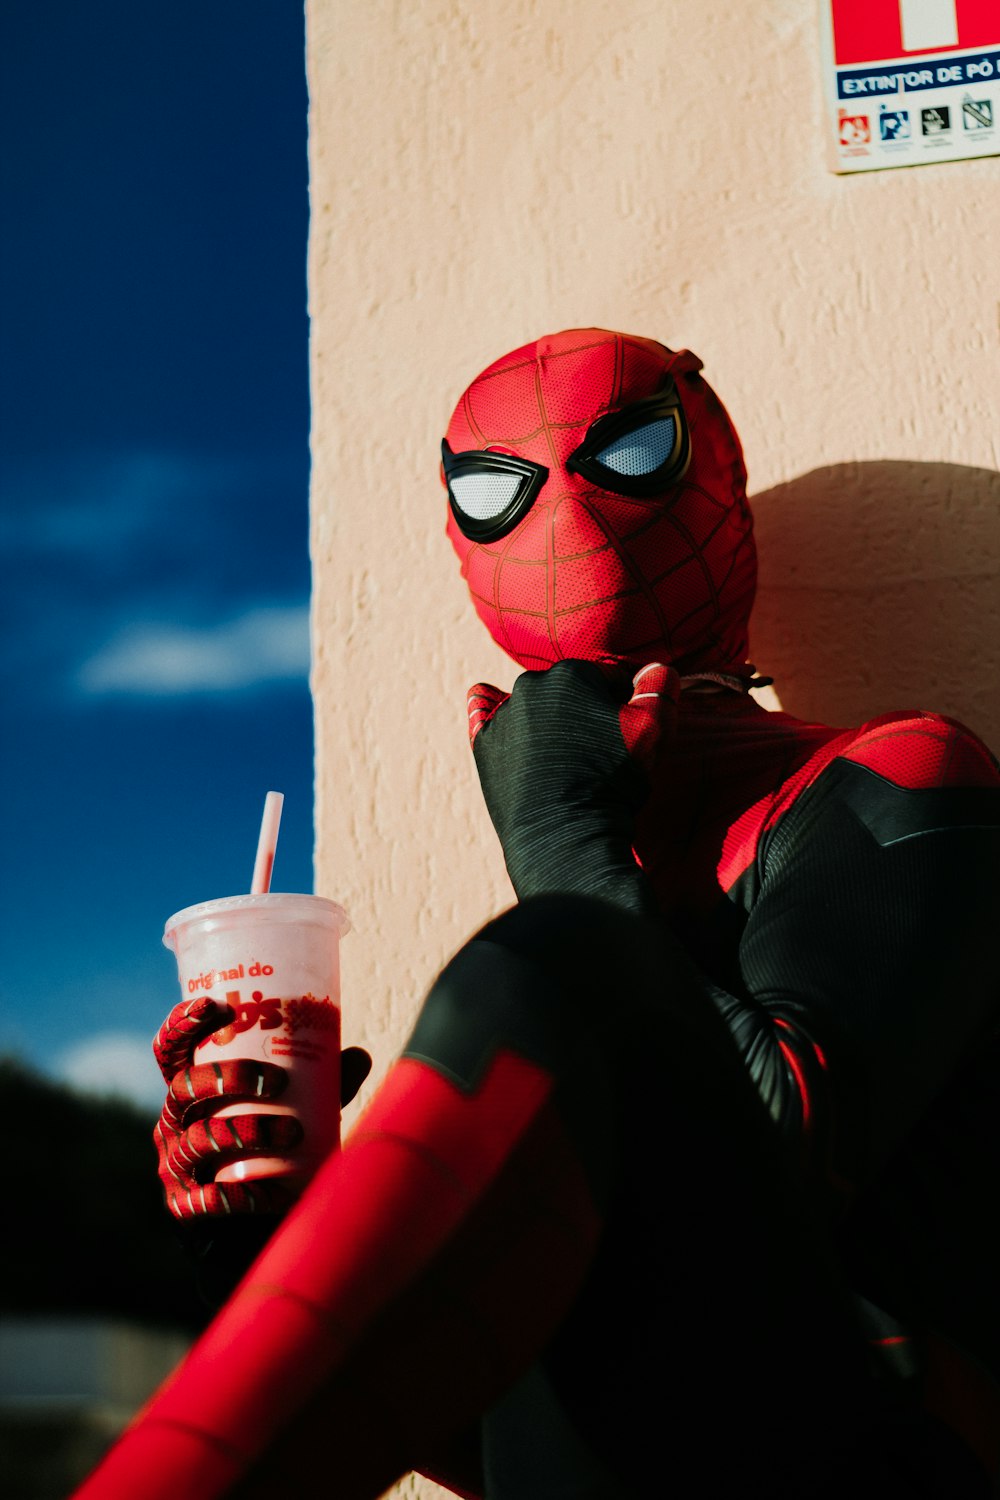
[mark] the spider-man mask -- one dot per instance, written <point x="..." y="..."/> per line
<point x="597" y="500"/>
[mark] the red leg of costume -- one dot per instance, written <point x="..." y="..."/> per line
<point x="425" y="1268"/>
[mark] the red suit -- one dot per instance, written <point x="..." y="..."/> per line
<point x="684" y="1174"/>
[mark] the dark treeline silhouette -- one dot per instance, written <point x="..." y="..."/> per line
<point x="86" y="1228"/>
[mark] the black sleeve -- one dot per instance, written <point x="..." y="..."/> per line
<point x="868" y="961"/>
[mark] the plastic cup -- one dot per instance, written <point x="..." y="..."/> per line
<point x="275" y="959"/>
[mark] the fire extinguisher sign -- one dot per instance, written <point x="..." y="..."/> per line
<point x="910" y="81"/>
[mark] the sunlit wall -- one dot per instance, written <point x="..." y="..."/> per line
<point x="484" y="174"/>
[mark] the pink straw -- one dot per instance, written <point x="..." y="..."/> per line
<point x="266" y="844"/>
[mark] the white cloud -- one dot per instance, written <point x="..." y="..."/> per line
<point x="115" y="1063"/>
<point x="167" y="660"/>
<point x="99" y="503"/>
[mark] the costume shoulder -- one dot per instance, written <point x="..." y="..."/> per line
<point x="875" y="766"/>
<point x="917" y="750"/>
<point x="872" y="903"/>
<point x="902" y="775"/>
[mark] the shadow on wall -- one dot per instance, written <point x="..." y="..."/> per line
<point x="880" y="589"/>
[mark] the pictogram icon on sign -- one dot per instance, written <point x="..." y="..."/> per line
<point x="855" y="130"/>
<point x="894" y="124"/>
<point x="935" y="121"/>
<point x="977" y="114"/>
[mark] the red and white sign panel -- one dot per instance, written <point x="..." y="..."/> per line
<point x="910" y="81"/>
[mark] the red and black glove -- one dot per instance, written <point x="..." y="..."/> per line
<point x="223" y="1227"/>
<point x="193" y="1143"/>
<point x="564" y="762"/>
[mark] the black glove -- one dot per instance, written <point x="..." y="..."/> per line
<point x="563" y="762"/>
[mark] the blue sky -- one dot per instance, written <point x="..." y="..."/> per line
<point x="154" y="448"/>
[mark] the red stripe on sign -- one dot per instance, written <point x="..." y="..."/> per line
<point x="866" y="31"/>
<point x="978" y="23"/>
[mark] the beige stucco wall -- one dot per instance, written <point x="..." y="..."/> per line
<point x="485" y="173"/>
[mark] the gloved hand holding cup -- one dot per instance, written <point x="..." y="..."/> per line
<point x="260" y="987"/>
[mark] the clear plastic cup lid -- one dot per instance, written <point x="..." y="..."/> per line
<point x="285" y="907"/>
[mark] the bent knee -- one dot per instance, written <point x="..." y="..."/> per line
<point x="531" y="981"/>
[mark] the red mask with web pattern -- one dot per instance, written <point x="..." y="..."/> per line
<point x="597" y="501"/>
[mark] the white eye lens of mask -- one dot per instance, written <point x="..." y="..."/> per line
<point x="486" y="495"/>
<point x="641" y="451"/>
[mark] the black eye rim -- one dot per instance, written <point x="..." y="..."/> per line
<point x="665" y="403"/>
<point x="530" y="476"/>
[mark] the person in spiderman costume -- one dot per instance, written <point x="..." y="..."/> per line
<point x="682" y="1182"/>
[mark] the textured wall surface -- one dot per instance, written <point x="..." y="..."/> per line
<point x="484" y="174"/>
